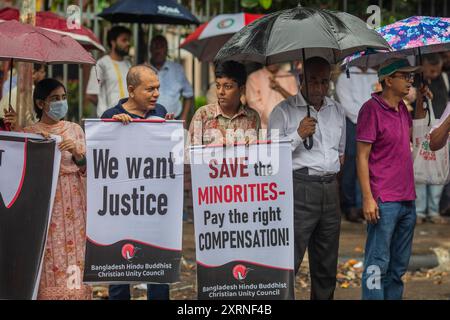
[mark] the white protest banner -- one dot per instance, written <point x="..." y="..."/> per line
<point x="29" y="168"/>
<point x="243" y="218"/>
<point x="134" y="201"/>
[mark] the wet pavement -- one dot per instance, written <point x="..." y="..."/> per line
<point x="428" y="278"/>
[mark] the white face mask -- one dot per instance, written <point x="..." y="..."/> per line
<point x="58" y="110"/>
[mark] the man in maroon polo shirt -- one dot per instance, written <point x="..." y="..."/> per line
<point x="385" y="170"/>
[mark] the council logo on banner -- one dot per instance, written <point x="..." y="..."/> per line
<point x="240" y="272"/>
<point x="129" y="251"/>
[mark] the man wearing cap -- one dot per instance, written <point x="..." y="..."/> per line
<point x="385" y="170"/>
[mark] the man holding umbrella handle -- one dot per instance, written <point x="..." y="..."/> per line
<point x="307" y="128"/>
<point x="316" y="202"/>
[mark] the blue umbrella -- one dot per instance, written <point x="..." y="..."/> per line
<point x="149" y="11"/>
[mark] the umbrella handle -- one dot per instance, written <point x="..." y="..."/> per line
<point x="308" y="143"/>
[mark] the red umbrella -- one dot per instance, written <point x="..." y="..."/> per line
<point x="53" y="22"/>
<point x="208" y="38"/>
<point x="23" y="42"/>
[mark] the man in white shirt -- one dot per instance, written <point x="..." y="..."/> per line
<point x="173" y="81"/>
<point x="107" y="81"/>
<point x="316" y="196"/>
<point x="352" y="92"/>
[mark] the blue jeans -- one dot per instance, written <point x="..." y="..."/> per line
<point x="155" y="291"/>
<point x="388" y="249"/>
<point x="350" y="190"/>
<point x="428" y="197"/>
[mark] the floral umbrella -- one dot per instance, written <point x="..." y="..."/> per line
<point x="416" y="35"/>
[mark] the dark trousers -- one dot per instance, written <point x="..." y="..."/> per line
<point x="155" y="291"/>
<point x="445" y="200"/>
<point x="317" y="220"/>
<point x="350" y="190"/>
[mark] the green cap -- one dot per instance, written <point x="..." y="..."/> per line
<point x="395" y="65"/>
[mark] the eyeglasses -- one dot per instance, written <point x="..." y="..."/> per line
<point x="405" y="76"/>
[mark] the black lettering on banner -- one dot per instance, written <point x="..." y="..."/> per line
<point x="137" y="203"/>
<point x="1" y="153"/>
<point x="134" y="166"/>
<point x="158" y="168"/>
<point x="235" y="239"/>
<point x="103" y="163"/>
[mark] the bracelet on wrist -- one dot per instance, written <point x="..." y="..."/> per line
<point x="81" y="162"/>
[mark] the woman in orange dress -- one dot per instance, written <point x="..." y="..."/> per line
<point x="62" y="270"/>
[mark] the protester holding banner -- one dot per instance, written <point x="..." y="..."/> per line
<point x="385" y="170"/>
<point x="143" y="92"/>
<point x="228" y="120"/>
<point x="62" y="270"/>
<point x="317" y="215"/>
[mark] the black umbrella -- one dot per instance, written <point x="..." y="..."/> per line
<point x="149" y="11"/>
<point x="298" y="33"/>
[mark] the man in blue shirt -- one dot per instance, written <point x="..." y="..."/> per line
<point x="143" y="91"/>
<point x="174" y="84"/>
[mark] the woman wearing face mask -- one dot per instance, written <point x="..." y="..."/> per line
<point x="62" y="270"/>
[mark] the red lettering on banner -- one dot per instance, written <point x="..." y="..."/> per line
<point x="253" y="192"/>
<point x="203" y="196"/>
<point x="229" y="168"/>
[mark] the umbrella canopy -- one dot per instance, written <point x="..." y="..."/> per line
<point x="285" y="35"/>
<point x="412" y="36"/>
<point x="23" y="42"/>
<point x="149" y="11"/>
<point x="299" y="33"/>
<point x="208" y="38"/>
<point x="53" y="22"/>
